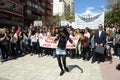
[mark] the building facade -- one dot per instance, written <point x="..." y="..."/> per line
<point x="24" y="12"/>
<point x="63" y="6"/>
<point x="11" y="13"/>
<point x="48" y="11"/>
<point x="33" y="10"/>
<point x="114" y="3"/>
<point x="70" y="6"/>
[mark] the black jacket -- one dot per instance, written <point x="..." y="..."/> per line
<point x="62" y="41"/>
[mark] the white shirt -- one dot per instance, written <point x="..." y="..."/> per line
<point x="37" y="36"/>
<point x="100" y="33"/>
<point x="87" y="34"/>
<point x="33" y="38"/>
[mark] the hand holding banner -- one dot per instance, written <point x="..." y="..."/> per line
<point x="48" y="42"/>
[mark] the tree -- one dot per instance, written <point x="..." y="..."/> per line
<point x="68" y="16"/>
<point x="56" y="19"/>
<point x="113" y="16"/>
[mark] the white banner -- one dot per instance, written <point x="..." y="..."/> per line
<point x="91" y="20"/>
<point x="65" y="23"/>
<point x="37" y="23"/>
<point x="44" y="42"/>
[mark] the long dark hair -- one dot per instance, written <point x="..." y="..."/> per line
<point x="63" y="29"/>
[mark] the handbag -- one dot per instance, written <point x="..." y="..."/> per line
<point x="118" y="67"/>
<point x="100" y="50"/>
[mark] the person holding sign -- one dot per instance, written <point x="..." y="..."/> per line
<point x="61" y="48"/>
<point x="62" y="39"/>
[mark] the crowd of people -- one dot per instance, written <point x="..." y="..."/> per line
<point x="19" y="42"/>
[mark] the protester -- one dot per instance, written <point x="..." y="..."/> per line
<point x="109" y="44"/>
<point x="15" y="40"/>
<point x="91" y="43"/>
<point x="4" y="40"/>
<point x="85" y="44"/>
<point x="34" y="42"/>
<point x="61" y="48"/>
<point x="13" y="44"/>
<point x="117" y="44"/>
<point x="99" y="40"/>
<point x="79" y="44"/>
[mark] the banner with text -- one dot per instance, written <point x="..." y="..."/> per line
<point x="48" y="42"/>
<point x="91" y="20"/>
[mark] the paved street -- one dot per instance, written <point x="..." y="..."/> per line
<point x="46" y="68"/>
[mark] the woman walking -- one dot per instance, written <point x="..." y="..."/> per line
<point x="61" y="48"/>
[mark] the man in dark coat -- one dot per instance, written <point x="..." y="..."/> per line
<point x="99" y="40"/>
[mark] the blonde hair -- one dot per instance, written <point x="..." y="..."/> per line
<point x="108" y="32"/>
<point x="2" y="30"/>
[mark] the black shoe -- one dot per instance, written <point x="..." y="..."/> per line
<point x="83" y="58"/>
<point x="54" y="56"/>
<point x="67" y="69"/>
<point x="98" y="62"/>
<point x="31" y="54"/>
<point x="61" y="73"/>
<point x="93" y="61"/>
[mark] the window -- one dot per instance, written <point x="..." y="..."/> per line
<point x="2" y="4"/>
<point x="29" y="12"/>
<point x="36" y="6"/>
<point x="29" y="3"/>
<point x="41" y="9"/>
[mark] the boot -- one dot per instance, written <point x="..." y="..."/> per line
<point x="61" y="73"/>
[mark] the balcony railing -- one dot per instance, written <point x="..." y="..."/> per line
<point x="4" y="21"/>
<point x="11" y="11"/>
<point x="34" y="10"/>
<point x="49" y="7"/>
<point x="17" y="2"/>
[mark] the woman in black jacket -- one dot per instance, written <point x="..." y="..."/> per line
<point x="62" y="39"/>
<point x="61" y="48"/>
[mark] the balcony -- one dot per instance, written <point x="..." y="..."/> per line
<point x="31" y="17"/>
<point x="37" y="3"/>
<point x="49" y="1"/>
<point x="4" y="21"/>
<point x="17" y="2"/>
<point x="10" y="11"/>
<point x="49" y="13"/>
<point x="49" y="7"/>
<point x="34" y="10"/>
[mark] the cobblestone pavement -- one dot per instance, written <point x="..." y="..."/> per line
<point x="46" y="68"/>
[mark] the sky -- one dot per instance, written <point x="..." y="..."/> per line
<point x="81" y="6"/>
